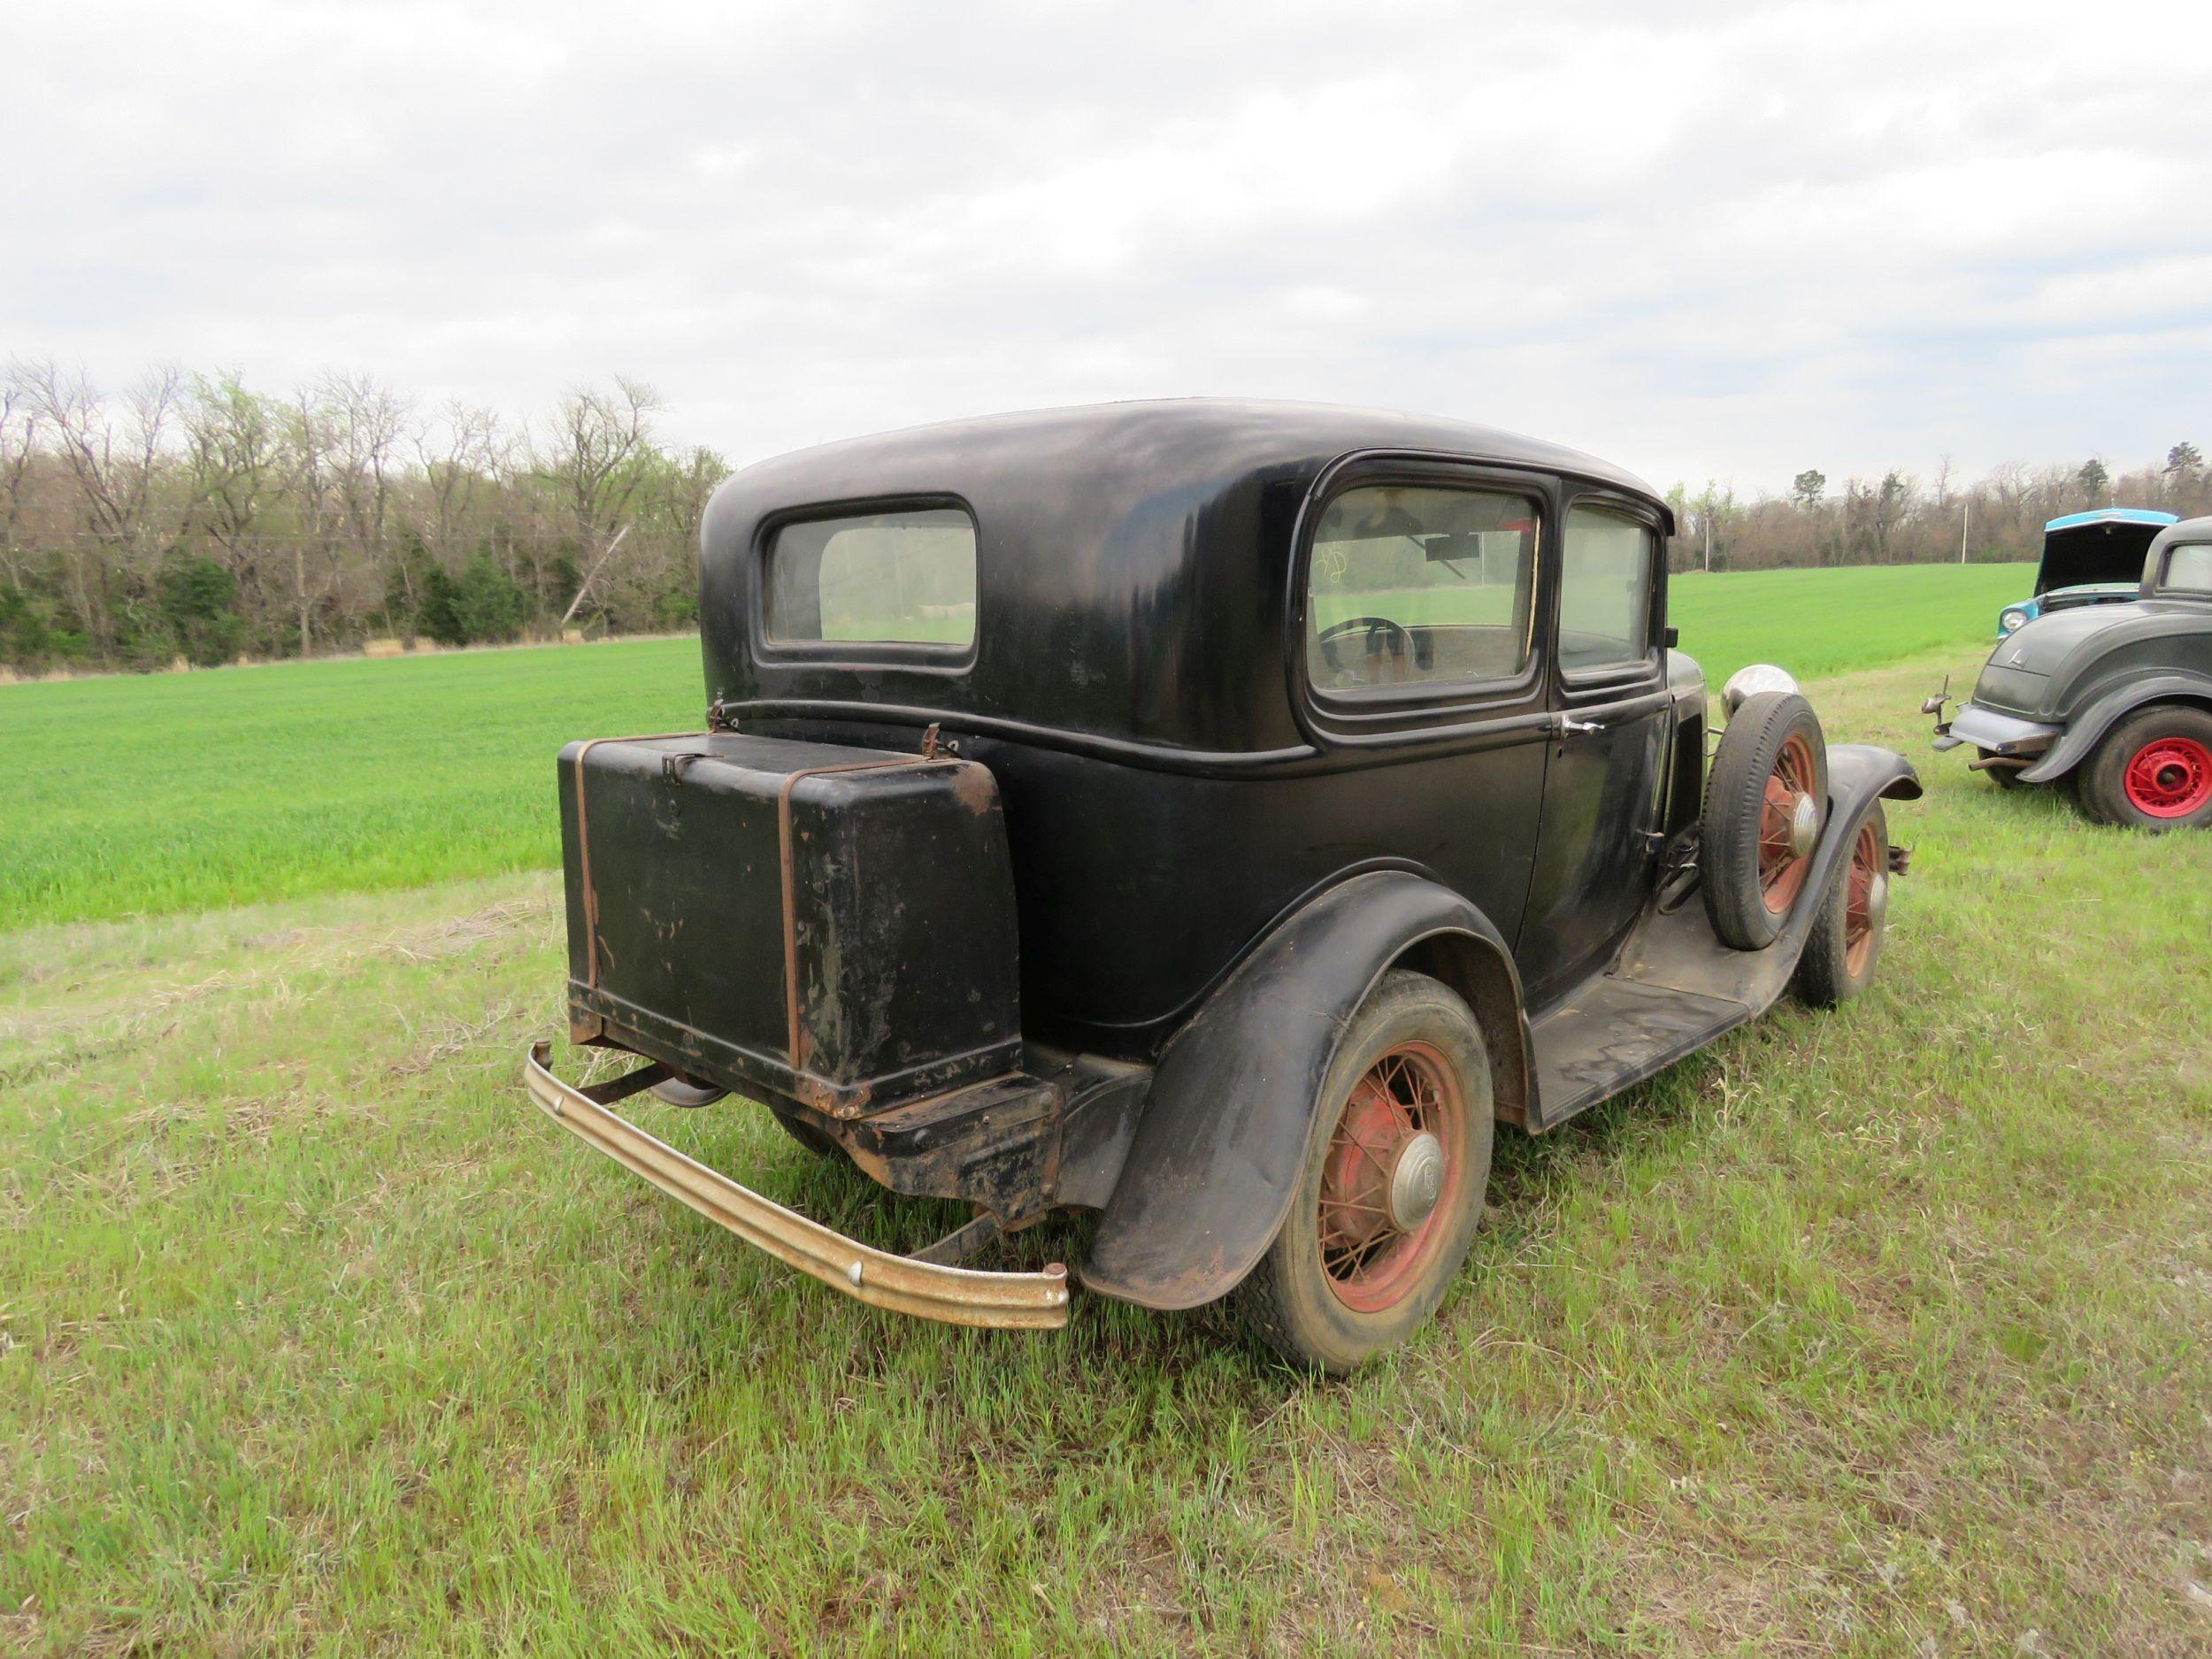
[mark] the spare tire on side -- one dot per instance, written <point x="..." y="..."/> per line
<point x="1766" y="799"/>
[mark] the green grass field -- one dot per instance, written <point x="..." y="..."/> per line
<point x="162" y="794"/>
<point x="1882" y="1332"/>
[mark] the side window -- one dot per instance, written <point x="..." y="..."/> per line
<point x="1414" y="585"/>
<point x="1604" y="590"/>
<point x="2189" y="568"/>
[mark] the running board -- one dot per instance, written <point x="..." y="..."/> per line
<point x="1673" y="988"/>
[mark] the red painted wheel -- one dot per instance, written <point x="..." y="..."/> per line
<point x="2170" y="777"/>
<point x="1395" y="1163"/>
<point x="1870" y="859"/>
<point x="2152" y="770"/>
<point x="1765" y="798"/>
<point x="1390" y="1186"/>
<point x="1788" y="823"/>
<point x="1845" y="941"/>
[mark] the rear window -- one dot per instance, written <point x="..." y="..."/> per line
<point x="905" y="577"/>
<point x="2189" y="568"/>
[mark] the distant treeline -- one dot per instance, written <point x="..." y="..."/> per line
<point x="1900" y="519"/>
<point x="192" y="517"/>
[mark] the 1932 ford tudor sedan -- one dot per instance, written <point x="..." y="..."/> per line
<point x="1212" y="815"/>
<point x="2115" y="700"/>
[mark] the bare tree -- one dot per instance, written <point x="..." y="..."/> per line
<point x="593" y="455"/>
<point x="113" y="464"/>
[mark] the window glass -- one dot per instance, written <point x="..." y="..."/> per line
<point x="1604" y="590"/>
<point x="1413" y="585"/>
<point x="899" y="578"/>
<point x="2189" y="568"/>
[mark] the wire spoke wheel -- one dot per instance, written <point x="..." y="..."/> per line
<point x="1790" y="807"/>
<point x="1845" y="941"/>
<point x="2169" y="776"/>
<point x="1861" y="921"/>
<point x="1766" y="795"/>
<point x="1392" y="1172"/>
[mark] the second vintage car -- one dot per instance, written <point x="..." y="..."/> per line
<point x="2114" y="700"/>
<point x="1215" y="816"/>
<point x="2089" y="559"/>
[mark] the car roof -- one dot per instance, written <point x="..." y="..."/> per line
<point x="1134" y="560"/>
<point x="1231" y="437"/>
<point x="2111" y="515"/>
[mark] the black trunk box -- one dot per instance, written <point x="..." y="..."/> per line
<point x="831" y="925"/>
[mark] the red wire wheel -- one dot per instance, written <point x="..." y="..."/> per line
<point x="1392" y="1175"/>
<point x="1766" y="796"/>
<point x="1845" y="941"/>
<point x="1870" y="859"/>
<point x="2170" y="777"/>
<point x="1791" y="800"/>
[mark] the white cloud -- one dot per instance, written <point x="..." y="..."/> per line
<point x="1703" y="240"/>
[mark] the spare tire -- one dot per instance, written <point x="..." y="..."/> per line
<point x="1766" y="799"/>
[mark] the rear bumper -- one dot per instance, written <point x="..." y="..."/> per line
<point x="1998" y="733"/>
<point x="956" y="1296"/>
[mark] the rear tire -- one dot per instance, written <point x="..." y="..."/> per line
<point x="1369" y="1248"/>
<point x="822" y="1144"/>
<point x="1846" y="940"/>
<point x="2153" y="770"/>
<point x="1755" y="840"/>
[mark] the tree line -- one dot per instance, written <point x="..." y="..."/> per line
<point x="191" y="517"/>
<point x="1900" y="519"/>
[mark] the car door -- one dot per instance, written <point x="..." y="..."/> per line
<point x="1598" y="838"/>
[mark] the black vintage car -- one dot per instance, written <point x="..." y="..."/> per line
<point x="2115" y="699"/>
<point x="1212" y="815"/>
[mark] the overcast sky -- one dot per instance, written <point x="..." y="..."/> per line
<point x="1733" y="243"/>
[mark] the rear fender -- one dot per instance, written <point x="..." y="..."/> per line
<point x="1216" y="1154"/>
<point x="2086" y="729"/>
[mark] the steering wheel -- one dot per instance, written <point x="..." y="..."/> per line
<point x="1380" y="631"/>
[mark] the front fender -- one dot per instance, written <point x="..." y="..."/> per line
<point x="2085" y="730"/>
<point x="1860" y="773"/>
<point x="1217" y="1152"/>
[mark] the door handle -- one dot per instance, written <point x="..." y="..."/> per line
<point x="1569" y="726"/>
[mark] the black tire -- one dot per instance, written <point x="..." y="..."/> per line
<point x="1739" y="899"/>
<point x="1844" y="945"/>
<point x="2003" y="777"/>
<point x="1295" y="1300"/>
<point x="818" y="1141"/>
<point x="2178" y="729"/>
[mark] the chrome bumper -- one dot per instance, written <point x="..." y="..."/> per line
<point x="958" y="1295"/>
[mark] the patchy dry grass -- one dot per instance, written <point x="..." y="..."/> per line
<point x="1876" y="1333"/>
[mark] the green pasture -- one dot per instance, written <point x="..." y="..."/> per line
<point x="1875" y="1333"/>
<point x="172" y="792"/>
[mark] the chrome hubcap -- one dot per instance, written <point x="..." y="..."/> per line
<point x="1876" y="900"/>
<point x="1804" y="827"/>
<point x="1417" y="1180"/>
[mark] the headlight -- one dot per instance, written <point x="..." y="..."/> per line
<point x="2013" y="619"/>
<point x="1749" y="682"/>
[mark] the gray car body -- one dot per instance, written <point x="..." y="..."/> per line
<point x="2053" y="688"/>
